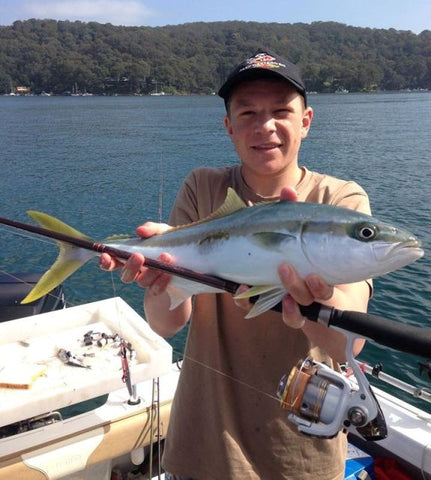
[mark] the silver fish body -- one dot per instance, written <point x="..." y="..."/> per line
<point x="341" y="245"/>
<point x="247" y="244"/>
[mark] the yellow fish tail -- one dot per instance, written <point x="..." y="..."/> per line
<point x="70" y="258"/>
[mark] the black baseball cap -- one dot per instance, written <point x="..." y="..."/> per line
<point x="263" y="64"/>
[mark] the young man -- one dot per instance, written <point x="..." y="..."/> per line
<point x="226" y="422"/>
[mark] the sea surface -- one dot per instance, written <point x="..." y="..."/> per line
<point x="107" y="164"/>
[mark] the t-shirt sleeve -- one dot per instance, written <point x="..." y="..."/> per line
<point x="353" y="196"/>
<point x="202" y="192"/>
<point x="185" y="209"/>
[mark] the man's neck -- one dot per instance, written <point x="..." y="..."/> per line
<point x="270" y="186"/>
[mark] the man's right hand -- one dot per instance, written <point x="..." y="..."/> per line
<point x="134" y="270"/>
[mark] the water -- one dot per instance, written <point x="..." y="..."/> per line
<point x="101" y="163"/>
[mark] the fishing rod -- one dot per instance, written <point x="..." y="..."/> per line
<point x="87" y="244"/>
<point x="392" y="334"/>
<point x="340" y="402"/>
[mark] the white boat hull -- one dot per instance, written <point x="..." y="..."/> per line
<point x="101" y="436"/>
<point x="409" y="435"/>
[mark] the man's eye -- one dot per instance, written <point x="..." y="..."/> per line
<point x="282" y="112"/>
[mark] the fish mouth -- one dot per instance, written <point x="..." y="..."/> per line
<point x="412" y="247"/>
<point x="401" y="253"/>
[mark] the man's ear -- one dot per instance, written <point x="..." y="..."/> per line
<point x="228" y="125"/>
<point x="306" y="122"/>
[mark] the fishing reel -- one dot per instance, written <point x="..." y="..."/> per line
<point x="323" y="402"/>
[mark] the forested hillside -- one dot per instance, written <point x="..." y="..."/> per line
<point x="61" y="56"/>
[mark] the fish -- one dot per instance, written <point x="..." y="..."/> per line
<point x="246" y="244"/>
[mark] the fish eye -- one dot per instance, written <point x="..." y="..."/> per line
<point x="366" y="232"/>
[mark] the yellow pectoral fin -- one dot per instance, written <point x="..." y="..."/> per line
<point x="255" y="291"/>
<point x="269" y="296"/>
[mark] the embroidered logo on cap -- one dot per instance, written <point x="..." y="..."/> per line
<point x="262" y="60"/>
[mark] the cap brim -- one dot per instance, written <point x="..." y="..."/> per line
<point x="250" y="74"/>
<point x="227" y="88"/>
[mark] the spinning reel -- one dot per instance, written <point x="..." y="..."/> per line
<point x="323" y="402"/>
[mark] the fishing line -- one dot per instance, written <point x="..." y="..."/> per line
<point x="234" y="379"/>
<point x="230" y="377"/>
<point x="60" y="298"/>
<point x="26" y="236"/>
<point x="241" y="382"/>
<point x="155" y="401"/>
<point x="161" y="185"/>
<point x="51" y="243"/>
<point x="155" y="397"/>
<point x="180" y="353"/>
<point x="14" y="277"/>
<point x="117" y="307"/>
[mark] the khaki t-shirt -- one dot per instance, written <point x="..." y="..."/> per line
<point x="226" y="422"/>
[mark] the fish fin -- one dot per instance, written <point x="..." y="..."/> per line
<point x="120" y="236"/>
<point x="266" y="301"/>
<point x="232" y="204"/>
<point x="254" y="291"/>
<point x="177" y="295"/>
<point x="68" y="261"/>
<point x="180" y="289"/>
<point x="54" y="224"/>
<point x="272" y="240"/>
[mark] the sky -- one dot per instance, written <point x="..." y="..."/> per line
<point x="414" y="15"/>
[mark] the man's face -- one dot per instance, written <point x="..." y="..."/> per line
<point x="266" y="123"/>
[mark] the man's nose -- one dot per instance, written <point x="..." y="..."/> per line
<point x="265" y="123"/>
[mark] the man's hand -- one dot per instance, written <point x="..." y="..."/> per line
<point x="134" y="269"/>
<point x="288" y="194"/>
<point x="301" y="292"/>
